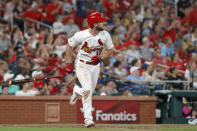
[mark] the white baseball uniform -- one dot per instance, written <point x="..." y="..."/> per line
<point x="86" y="72"/>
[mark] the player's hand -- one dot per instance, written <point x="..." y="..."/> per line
<point x="96" y="59"/>
<point x="69" y="68"/>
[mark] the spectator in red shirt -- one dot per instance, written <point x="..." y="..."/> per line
<point x="52" y="10"/>
<point x="183" y="53"/>
<point x="132" y="39"/>
<point x="170" y="30"/>
<point x="52" y="86"/>
<point x="158" y="59"/>
<point x="193" y="15"/>
<point x="125" y="4"/>
<point x="116" y="38"/>
<point x="38" y="84"/>
<point x="110" y="6"/>
<point x="156" y="36"/>
<point x="42" y="7"/>
<point x="176" y="62"/>
<point x="186" y="18"/>
<point x="62" y="69"/>
<point x="33" y="13"/>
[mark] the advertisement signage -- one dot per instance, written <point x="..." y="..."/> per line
<point x="111" y="111"/>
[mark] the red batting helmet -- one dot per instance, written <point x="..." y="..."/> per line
<point x="94" y="18"/>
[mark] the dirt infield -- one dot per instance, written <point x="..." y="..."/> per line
<point x="108" y="126"/>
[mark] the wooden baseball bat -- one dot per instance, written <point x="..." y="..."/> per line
<point x="19" y="82"/>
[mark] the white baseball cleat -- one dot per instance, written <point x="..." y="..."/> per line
<point x="89" y="123"/>
<point x="73" y="99"/>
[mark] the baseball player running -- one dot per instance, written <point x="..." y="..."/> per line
<point x="91" y="43"/>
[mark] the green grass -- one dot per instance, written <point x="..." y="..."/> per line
<point x="83" y="129"/>
<point x="53" y="129"/>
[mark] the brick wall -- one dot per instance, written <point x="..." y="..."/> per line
<point x="56" y="109"/>
<point x="147" y="113"/>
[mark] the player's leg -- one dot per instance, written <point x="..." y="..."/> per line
<point x="78" y="88"/>
<point x="95" y="75"/>
<point x="77" y="91"/>
<point x="83" y="72"/>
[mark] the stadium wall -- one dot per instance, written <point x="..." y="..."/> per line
<point x="56" y="109"/>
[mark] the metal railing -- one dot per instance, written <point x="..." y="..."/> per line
<point x="36" y="22"/>
<point x="25" y="20"/>
<point x="188" y="81"/>
<point x="188" y="87"/>
<point x="146" y="87"/>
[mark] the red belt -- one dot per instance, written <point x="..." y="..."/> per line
<point x="87" y="62"/>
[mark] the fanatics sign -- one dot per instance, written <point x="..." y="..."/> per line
<point x="115" y="117"/>
<point x="111" y="111"/>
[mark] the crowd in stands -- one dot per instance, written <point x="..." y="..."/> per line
<point x="154" y="40"/>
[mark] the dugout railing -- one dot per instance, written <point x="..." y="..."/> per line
<point x="38" y="24"/>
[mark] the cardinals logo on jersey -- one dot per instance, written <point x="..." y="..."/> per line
<point x="88" y="49"/>
<point x="100" y="42"/>
<point x="85" y="46"/>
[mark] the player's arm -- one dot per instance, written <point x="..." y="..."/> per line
<point x="109" y="47"/>
<point x="69" y="53"/>
<point x="72" y="42"/>
<point x="69" y="65"/>
<point x="106" y="54"/>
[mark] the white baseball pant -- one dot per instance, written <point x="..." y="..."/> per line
<point x="88" y="76"/>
